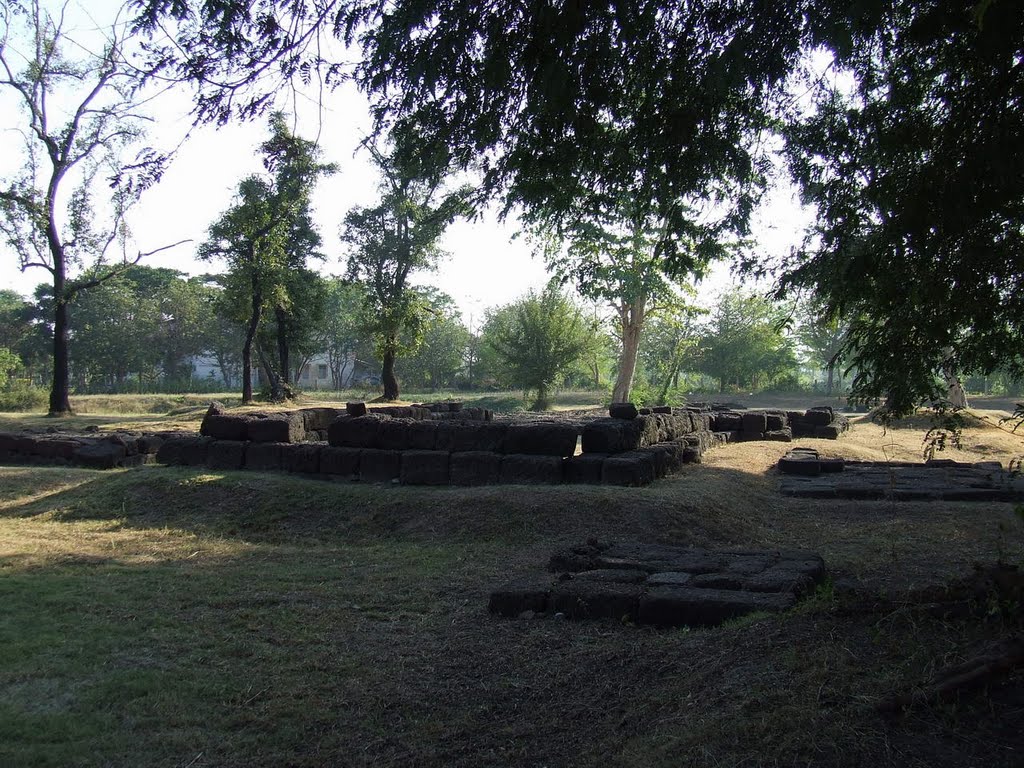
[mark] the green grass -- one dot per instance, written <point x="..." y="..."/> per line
<point x="176" y="617"/>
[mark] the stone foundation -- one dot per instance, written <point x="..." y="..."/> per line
<point x="661" y="585"/>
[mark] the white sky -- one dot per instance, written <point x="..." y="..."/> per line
<point x="486" y="268"/>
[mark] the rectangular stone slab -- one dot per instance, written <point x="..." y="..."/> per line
<point x="695" y="607"/>
<point x="475" y="468"/>
<point x="343" y="462"/>
<point x="425" y="468"/>
<point x="376" y="466"/>
<point x="591" y="599"/>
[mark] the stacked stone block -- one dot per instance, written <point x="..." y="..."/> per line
<point x="661" y="585"/>
<point x="120" y="449"/>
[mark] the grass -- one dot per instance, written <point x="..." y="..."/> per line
<point x="177" y="617"/>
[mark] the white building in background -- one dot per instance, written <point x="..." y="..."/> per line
<point x="314" y="374"/>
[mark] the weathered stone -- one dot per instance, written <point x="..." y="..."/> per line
<point x="529" y="469"/>
<point x="780" y="580"/>
<point x="718" y="581"/>
<point x="278" y="428"/>
<point x="754" y="423"/>
<point x="784" y="435"/>
<point x="617" y="575"/>
<point x="829" y="432"/>
<point x="263" y="457"/>
<point x="696" y="607"/>
<point x="377" y="466"/>
<point x="515" y="597"/>
<point x="692" y="455"/>
<point x="542" y="439"/>
<point x="475" y="468"/>
<point x="623" y="411"/>
<point x="748" y="565"/>
<point x="356" y="431"/>
<point x="149" y="444"/>
<point x="355" y="409"/>
<point x="224" y="427"/>
<point x="629" y="469"/>
<point x="99" y="454"/>
<point x="584" y="468"/>
<point x="303" y="458"/>
<point x="226" y="454"/>
<point x="805" y="464"/>
<point x="187" y="451"/>
<point x="425" y="468"/>
<point x="832" y="465"/>
<point x="669" y="579"/>
<point x="343" y="462"/>
<point x="662" y="409"/>
<point x="727" y="421"/>
<point x="56" y="448"/>
<point x="422" y="435"/>
<point x="819" y="416"/>
<point x="393" y="434"/>
<point x="774" y="421"/>
<point x="660" y="457"/>
<point x="456" y="436"/>
<point x="316" y="419"/>
<point x="595" y="600"/>
<point x="611" y="436"/>
<point x="490" y="436"/>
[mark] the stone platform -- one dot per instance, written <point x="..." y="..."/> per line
<point x="806" y="475"/>
<point x="661" y="585"/>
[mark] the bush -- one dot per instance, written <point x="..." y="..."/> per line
<point x="21" y="396"/>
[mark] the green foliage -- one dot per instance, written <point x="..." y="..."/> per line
<point x="265" y="239"/>
<point x="440" y="355"/>
<point x="538" y="340"/>
<point x="918" y="178"/>
<point x="19" y="395"/>
<point x="669" y="341"/>
<point x="393" y="240"/>
<point x="743" y="345"/>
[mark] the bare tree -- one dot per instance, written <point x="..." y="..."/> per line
<point x="80" y="116"/>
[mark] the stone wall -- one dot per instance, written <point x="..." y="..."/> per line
<point x="438" y="444"/>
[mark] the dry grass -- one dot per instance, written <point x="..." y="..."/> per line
<point x="185" y="617"/>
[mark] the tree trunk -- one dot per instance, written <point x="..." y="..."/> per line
<point x="60" y="404"/>
<point x="250" y="334"/>
<point x="387" y="373"/>
<point x="632" y="324"/>
<point x="831" y="379"/>
<point x="282" y="342"/>
<point x="541" y="404"/>
<point x="954" y="387"/>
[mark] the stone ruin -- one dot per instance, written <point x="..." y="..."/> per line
<point x="439" y="443"/>
<point x="661" y="585"/>
<point x="806" y="474"/>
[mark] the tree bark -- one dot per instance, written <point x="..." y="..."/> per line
<point x="954" y="386"/>
<point x="631" y="318"/>
<point x="60" y="404"/>
<point x="387" y="373"/>
<point x="282" y="342"/>
<point x="250" y="334"/>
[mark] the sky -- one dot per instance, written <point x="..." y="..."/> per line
<point x="485" y="268"/>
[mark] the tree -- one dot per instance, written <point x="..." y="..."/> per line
<point x="263" y="237"/>
<point x="538" y="339"/>
<point x="396" y="238"/>
<point x="743" y="343"/>
<point x="440" y="355"/>
<point x="615" y="259"/>
<point x="341" y="333"/>
<point x="48" y="212"/>
<point x="914" y="164"/>
<point x="823" y="335"/>
<point x="670" y="339"/>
